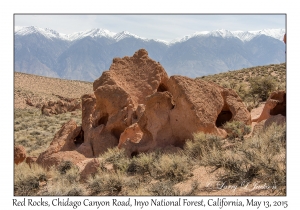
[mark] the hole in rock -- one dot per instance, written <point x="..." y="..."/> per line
<point x="103" y="120"/>
<point x="79" y="139"/>
<point x="162" y="88"/>
<point x="223" y="117"/>
<point x="134" y="115"/>
<point x="116" y="132"/>
<point x="134" y="154"/>
<point x="280" y="108"/>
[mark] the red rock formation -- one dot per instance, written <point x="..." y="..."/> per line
<point x="275" y="104"/>
<point x="137" y="76"/>
<point x="187" y="107"/>
<point x="136" y="106"/>
<point x="272" y="111"/>
<point x="19" y="154"/>
<point x="59" y="107"/>
<point x="88" y="167"/>
<point x="63" y="146"/>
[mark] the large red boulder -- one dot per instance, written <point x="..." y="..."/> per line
<point x="188" y="106"/>
<point x="136" y="106"/>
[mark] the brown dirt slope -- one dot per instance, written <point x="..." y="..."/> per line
<point x="33" y="89"/>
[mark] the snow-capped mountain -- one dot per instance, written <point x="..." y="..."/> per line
<point x="85" y="55"/>
<point x="98" y="32"/>
<point x="124" y="35"/>
<point x="242" y="35"/>
<point x="46" y="32"/>
<point x="94" y="33"/>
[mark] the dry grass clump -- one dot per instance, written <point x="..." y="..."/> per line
<point x="267" y="152"/>
<point x="106" y="183"/>
<point x="173" y="167"/>
<point x="201" y="143"/>
<point x="64" y="181"/>
<point x="27" y="180"/>
<point x="236" y="129"/>
<point x="117" y="158"/>
<point x="141" y="164"/>
<point x="163" y="188"/>
<point x="261" y="157"/>
<point x="35" y="131"/>
<point x="131" y="176"/>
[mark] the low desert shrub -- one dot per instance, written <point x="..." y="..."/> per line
<point x="236" y="129"/>
<point x="116" y="157"/>
<point x="163" y="188"/>
<point x="27" y="180"/>
<point x="64" y="166"/>
<point x="106" y="183"/>
<point x="174" y="167"/>
<point x="261" y="156"/>
<point x="262" y="87"/>
<point x="64" y="181"/>
<point x="266" y="151"/>
<point x="142" y="164"/>
<point x="62" y="188"/>
<point x="201" y="142"/>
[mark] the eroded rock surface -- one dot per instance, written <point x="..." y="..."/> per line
<point x="275" y="104"/>
<point x="63" y="146"/>
<point x="137" y="107"/>
<point x="272" y="111"/>
<point x="60" y="106"/>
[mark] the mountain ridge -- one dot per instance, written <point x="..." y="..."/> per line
<point x="85" y="55"/>
<point x="99" y="32"/>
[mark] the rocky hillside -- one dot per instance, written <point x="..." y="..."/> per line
<point x="32" y="90"/>
<point x="232" y="78"/>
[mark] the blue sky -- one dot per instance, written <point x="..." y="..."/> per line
<point x="156" y="26"/>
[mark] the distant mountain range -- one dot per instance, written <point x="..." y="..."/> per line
<point x="85" y="55"/>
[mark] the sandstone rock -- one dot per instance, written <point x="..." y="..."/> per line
<point x="119" y="97"/>
<point x="203" y="106"/>
<point x="63" y="146"/>
<point x="60" y="106"/>
<point x="172" y="116"/>
<point x="256" y="112"/>
<point x="275" y="104"/>
<point x="153" y="130"/>
<point x="136" y="106"/>
<point x="273" y="110"/>
<point x="19" y="154"/>
<point x="138" y="76"/>
<point x="90" y="168"/>
<point x="264" y="124"/>
<point x="117" y="103"/>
